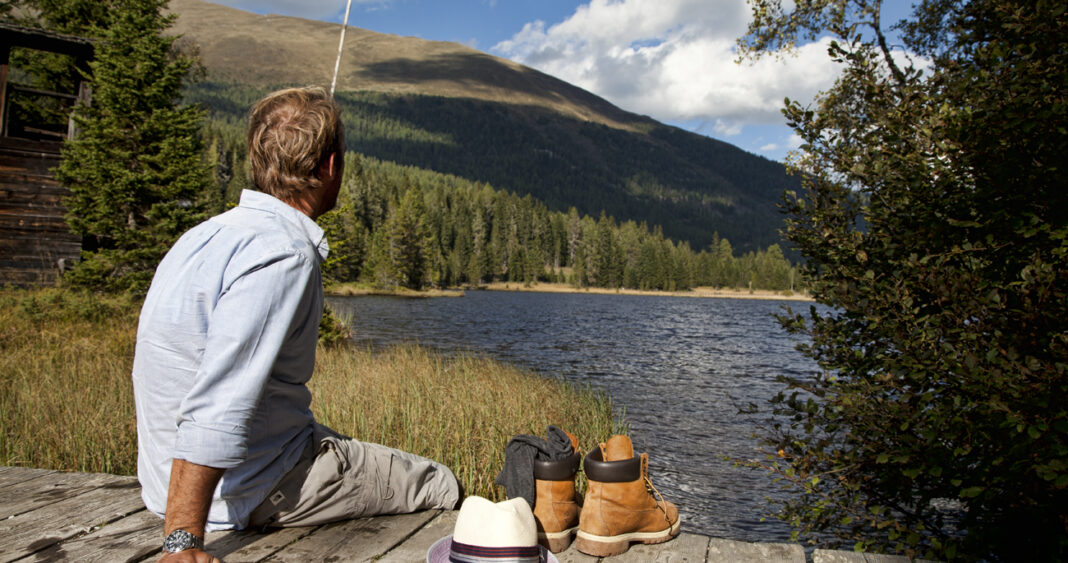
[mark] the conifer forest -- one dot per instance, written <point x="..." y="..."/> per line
<point x="399" y="225"/>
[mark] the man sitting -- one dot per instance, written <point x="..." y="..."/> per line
<point x="226" y="344"/>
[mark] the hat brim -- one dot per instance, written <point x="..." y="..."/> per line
<point x="439" y="552"/>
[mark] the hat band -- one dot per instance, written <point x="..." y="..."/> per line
<point x="464" y="553"/>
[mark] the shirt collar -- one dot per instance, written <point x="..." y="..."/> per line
<point x="266" y="202"/>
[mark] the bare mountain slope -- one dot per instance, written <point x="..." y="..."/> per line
<point x="271" y="50"/>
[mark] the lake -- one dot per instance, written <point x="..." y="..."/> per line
<point x="678" y="367"/>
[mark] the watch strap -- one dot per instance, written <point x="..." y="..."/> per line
<point x="181" y="540"/>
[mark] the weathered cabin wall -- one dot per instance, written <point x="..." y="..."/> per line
<point x="35" y="242"/>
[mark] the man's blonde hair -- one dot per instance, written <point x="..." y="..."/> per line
<point x="290" y="133"/>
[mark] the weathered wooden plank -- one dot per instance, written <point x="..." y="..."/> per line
<point x="48" y="259"/>
<point x="250" y="546"/>
<point x="56" y="235"/>
<point x="8" y="273"/>
<point x="321" y="543"/>
<point x="415" y="547"/>
<point x="51" y="487"/>
<point x="19" y="176"/>
<point x="27" y="165"/>
<point x="34" y="531"/>
<point x="30" y="219"/>
<point x="685" y="548"/>
<point x="572" y="555"/>
<point x="29" y="161"/>
<point x="30" y="190"/>
<point x="364" y="539"/>
<point x="40" y="204"/>
<point x="22" y="180"/>
<point x="28" y="278"/>
<point x="10" y="475"/>
<point x="10" y="145"/>
<point x="132" y="538"/>
<point x="14" y="239"/>
<point x="14" y="236"/>
<point x="49" y="256"/>
<point x="831" y="556"/>
<point x="729" y="550"/>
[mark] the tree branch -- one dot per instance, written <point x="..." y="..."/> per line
<point x="881" y="39"/>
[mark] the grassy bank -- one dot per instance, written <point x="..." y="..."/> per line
<point x="356" y="289"/>
<point x="353" y="289"/>
<point x="66" y="401"/>
<point x="710" y="292"/>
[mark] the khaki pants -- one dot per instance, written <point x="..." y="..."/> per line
<point x="340" y="478"/>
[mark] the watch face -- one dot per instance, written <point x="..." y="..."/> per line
<point x="181" y="540"/>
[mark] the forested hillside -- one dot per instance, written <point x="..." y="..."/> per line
<point x="399" y="225"/>
<point x="402" y="226"/>
<point x="696" y="189"/>
<point x="448" y="108"/>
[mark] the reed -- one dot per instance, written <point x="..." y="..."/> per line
<point x="66" y="401"/>
<point x="460" y="410"/>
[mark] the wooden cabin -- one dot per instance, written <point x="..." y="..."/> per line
<point x="35" y="243"/>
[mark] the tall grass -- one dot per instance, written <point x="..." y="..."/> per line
<point x="461" y="410"/>
<point x="66" y="401"/>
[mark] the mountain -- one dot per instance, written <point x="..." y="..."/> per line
<point x="449" y="108"/>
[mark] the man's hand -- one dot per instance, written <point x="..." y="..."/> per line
<point x="189" y="556"/>
<point x="188" y="502"/>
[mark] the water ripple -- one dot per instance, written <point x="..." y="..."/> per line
<point x="679" y="368"/>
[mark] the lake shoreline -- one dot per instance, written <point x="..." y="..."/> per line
<point x="353" y="290"/>
<point x="704" y="292"/>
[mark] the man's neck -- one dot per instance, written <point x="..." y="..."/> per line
<point x="306" y="205"/>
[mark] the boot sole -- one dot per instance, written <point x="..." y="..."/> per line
<point x="607" y="546"/>
<point x="557" y="541"/>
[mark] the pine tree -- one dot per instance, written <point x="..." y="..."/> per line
<point x="135" y="170"/>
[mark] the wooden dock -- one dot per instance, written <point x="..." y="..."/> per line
<point x="56" y="516"/>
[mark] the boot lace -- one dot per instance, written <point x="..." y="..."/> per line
<point x="652" y="488"/>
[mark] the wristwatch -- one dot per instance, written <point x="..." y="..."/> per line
<point x="181" y="540"/>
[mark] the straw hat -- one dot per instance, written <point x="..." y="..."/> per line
<point x="489" y="532"/>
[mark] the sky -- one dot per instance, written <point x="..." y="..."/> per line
<point x="672" y="60"/>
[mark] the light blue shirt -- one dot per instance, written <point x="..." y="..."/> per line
<point x="225" y="345"/>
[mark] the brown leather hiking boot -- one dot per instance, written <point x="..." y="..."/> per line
<point x="556" y="509"/>
<point x="620" y="506"/>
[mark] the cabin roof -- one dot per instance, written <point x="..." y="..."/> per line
<point x="43" y="40"/>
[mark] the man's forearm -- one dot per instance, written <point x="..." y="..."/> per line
<point x="189" y="496"/>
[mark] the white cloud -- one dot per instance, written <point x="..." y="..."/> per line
<point x="672" y="60"/>
<point x="727" y="127"/>
<point x="769" y="147"/>
<point x="328" y="10"/>
<point x="794" y="142"/>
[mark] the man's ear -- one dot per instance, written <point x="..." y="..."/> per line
<point x="327" y="167"/>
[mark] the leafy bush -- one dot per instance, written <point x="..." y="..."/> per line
<point x="934" y="221"/>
